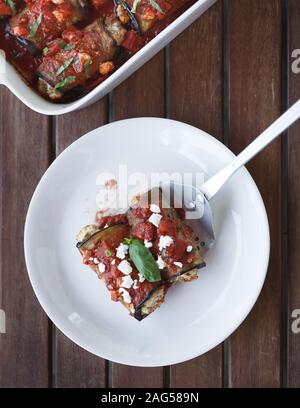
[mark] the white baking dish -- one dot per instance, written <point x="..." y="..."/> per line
<point x="12" y="80"/>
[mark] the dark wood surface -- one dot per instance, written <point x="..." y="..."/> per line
<point x="230" y="75"/>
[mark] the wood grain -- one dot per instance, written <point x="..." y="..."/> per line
<point x="75" y="367"/>
<point x="196" y="89"/>
<point x="24" y="156"/>
<point x="255" y="101"/>
<point x="133" y="98"/>
<point x="293" y="351"/>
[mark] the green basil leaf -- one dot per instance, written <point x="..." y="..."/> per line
<point x="108" y="252"/>
<point x="69" y="47"/>
<point x="64" y="66"/>
<point x="156" y="6"/>
<point x="144" y="261"/>
<point x="45" y="50"/>
<point x="65" y="82"/>
<point x="61" y="44"/>
<point x="35" y="27"/>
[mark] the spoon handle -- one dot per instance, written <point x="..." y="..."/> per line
<point x="213" y="185"/>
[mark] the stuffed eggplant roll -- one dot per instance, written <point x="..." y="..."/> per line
<point x="161" y="228"/>
<point x="145" y="13"/>
<point x="107" y="253"/>
<point x="79" y="55"/>
<point x="44" y="20"/>
<point x="141" y="254"/>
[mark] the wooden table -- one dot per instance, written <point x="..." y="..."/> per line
<point x="230" y="75"/>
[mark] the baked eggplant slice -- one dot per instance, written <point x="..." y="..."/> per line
<point x="106" y="254"/>
<point x="83" y="55"/>
<point x="147" y="12"/>
<point x="141" y="258"/>
<point x="41" y="21"/>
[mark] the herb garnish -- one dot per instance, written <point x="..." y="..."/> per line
<point x="87" y="67"/>
<point x="11" y="4"/>
<point x="69" y="47"/>
<point x="76" y="61"/>
<point x="108" y="252"/>
<point x="45" y="50"/>
<point x="63" y="67"/>
<point x="156" y="6"/>
<point x="143" y="260"/>
<point x="35" y="26"/>
<point x="134" y="6"/>
<point x="65" y="82"/>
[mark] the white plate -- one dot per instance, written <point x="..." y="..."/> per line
<point x="196" y="316"/>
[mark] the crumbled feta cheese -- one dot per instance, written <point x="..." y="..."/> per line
<point x="126" y="295"/>
<point x="189" y="248"/>
<point x="101" y="267"/>
<point x="125" y="267"/>
<point x="179" y="264"/>
<point x="155" y="219"/>
<point x="127" y="282"/>
<point x="160" y="262"/>
<point x="147" y="244"/>
<point x="135" y="284"/>
<point x="96" y="261"/>
<point x="106" y="226"/>
<point x="122" y="251"/>
<point x="91" y="259"/>
<point x="141" y="278"/>
<point x="113" y="262"/>
<point x="154" y="208"/>
<point x="164" y="242"/>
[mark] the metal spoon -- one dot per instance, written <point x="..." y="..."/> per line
<point x="199" y="201"/>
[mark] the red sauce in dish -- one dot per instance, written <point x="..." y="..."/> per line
<point x="26" y="63"/>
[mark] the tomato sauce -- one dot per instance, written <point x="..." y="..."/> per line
<point x="26" y="64"/>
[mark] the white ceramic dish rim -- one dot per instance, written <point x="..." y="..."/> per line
<point x="188" y="355"/>
<point x="147" y="52"/>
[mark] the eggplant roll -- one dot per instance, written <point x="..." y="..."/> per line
<point x="147" y="12"/>
<point x="44" y="20"/>
<point x="79" y="55"/>
<point x="141" y="255"/>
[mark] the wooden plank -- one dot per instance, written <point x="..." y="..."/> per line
<point x="24" y="156"/>
<point x="255" y="101"/>
<point x="74" y="366"/>
<point x="293" y="196"/>
<point x="133" y="98"/>
<point x="196" y="87"/>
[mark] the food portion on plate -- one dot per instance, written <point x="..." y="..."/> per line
<point x="65" y="48"/>
<point x="142" y="253"/>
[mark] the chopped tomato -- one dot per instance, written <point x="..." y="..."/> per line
<point x="104" y="251"/>
<point x="141" y="212"/>
<point x="115" y="294"/>
<point x="5" y="10"/>
<point x="144" y="230"/>
<point x="177" y="250"/>
<point x="133" y="42"/>
<point x="110" y="220"/>
<point x="167" y="227"/>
